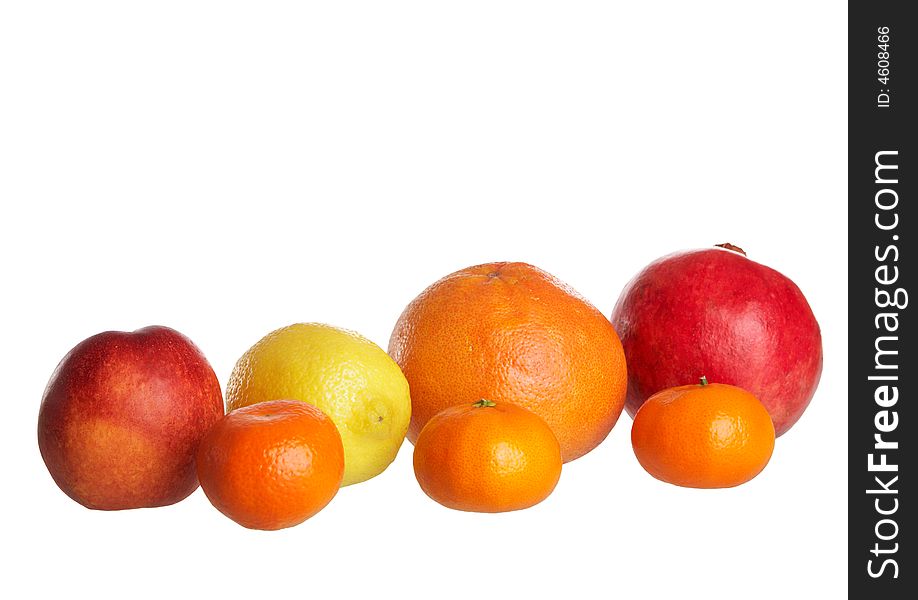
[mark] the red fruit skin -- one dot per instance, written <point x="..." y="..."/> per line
<point x="122" y="417"/>
<point x="716" y="313"/>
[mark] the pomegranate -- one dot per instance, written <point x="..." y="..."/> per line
<point x="715" y="312"/>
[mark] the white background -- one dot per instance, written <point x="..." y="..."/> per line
<point x="229" y="168"/>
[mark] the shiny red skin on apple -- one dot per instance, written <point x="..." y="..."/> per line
<point x="716" y="313"/>
<point x="122" y="416"/>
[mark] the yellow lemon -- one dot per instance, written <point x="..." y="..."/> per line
<point x="347" y="376"/>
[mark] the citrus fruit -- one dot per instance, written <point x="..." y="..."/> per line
<point x="487" y="457"/>
<point x="707" y="435"/>
<point x="512" y="332"/>
<point x="272" y="465"/>
<point x="346" y="375"/>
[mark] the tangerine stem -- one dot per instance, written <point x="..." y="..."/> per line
<point x="704" y="381"/>
<point x="482" y="403"/>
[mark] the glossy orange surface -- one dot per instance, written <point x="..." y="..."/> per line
<point x="704" y="435"/>
<point x="487" y="457"/>
<point x="271" y="465"/>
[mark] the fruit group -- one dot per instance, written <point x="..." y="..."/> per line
<point x="717" y="312"/>
<point x="272" y="465"/>
<point x="487" y="457"/>
<point x="512" y="332"/>
<point x="706" y="435"/>
<point x="347" y="376"/>
<point x="122" y="416"/>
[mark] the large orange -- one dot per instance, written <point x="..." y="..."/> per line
<point x="487" y="457"/>
<point x="512" y="332"/>
<point x="271" y="465"/>
<point x="706" y="435"/>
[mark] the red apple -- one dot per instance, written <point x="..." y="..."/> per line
<point x="122" y="416"/>
<point x="716" y="313"/>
